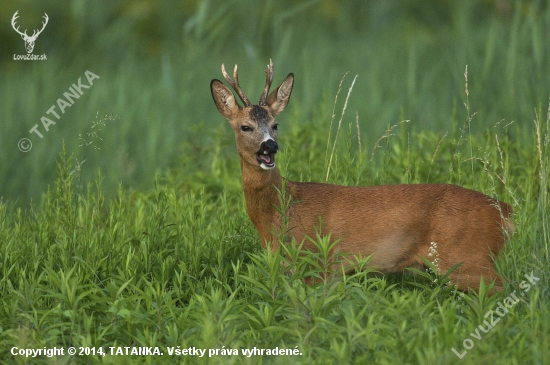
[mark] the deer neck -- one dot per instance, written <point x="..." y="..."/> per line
<point x="260" y="192"/>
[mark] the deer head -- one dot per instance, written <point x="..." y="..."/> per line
<point x="29" y="40"/>
<point x="255" y="126"/>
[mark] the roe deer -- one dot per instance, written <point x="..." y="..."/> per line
<point x="399" y="224"/>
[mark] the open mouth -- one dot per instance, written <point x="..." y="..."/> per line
<point x="266" y="160"/>
<point x="266" y="154"/>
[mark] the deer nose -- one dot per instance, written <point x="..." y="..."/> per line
<point x="269" y="146"/>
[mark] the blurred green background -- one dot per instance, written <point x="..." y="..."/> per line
<point x="155" y="60"/>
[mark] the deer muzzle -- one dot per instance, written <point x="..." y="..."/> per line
<point x="266" y="154"/>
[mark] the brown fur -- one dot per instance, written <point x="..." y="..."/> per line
<point x="395" y="223"/>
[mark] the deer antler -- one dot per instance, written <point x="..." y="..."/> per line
<point x="13" y="19"/>
<point x="235" y="85"/>
<point x="43" y="26"/>
<point x="268" y="80"/>
<point x="24" y="34"/>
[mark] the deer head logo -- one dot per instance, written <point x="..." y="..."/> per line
<point x="29" y="40"/>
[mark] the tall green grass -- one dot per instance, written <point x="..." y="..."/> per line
<point x="125" y="225"/>
<point x="155" y="60"/>
<point x="181" y="265"/>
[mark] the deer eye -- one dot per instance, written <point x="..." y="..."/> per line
<point x="276" y="126"/>
<point x="246" y="128"/>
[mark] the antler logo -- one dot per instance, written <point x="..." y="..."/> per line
<point x="29" y="40"/>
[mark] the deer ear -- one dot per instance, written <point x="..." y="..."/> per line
<point x="224" y="99"/>
<point x="278" y="99"/>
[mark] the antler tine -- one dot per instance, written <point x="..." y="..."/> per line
<point x="268" y="80"/>
<point x="13" y="21"/>
<point x="235" y="85"/>
<point x="37" y="32"/>
<point x="46" y="18"/>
